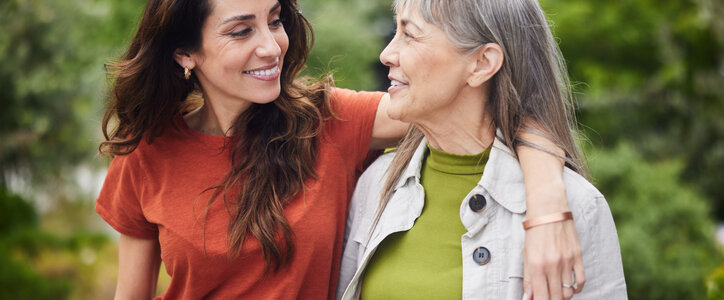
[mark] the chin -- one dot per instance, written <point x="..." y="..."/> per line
<point x="268" y="97"/>
<point x="394" y="115"/>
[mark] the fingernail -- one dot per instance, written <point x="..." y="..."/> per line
<point x="525" y="296"/>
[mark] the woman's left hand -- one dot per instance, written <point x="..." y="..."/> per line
<point x="552" y="258"/>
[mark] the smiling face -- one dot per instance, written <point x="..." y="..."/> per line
<point x="427" y="72"/>
<point x="241" y="54"/>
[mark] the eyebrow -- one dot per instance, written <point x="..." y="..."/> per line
<point x="248" y="17"/>
<point x="405" y="22"/>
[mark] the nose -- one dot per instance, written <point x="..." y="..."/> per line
<point x="390" y="56"/>
<point x="268" y="45"/>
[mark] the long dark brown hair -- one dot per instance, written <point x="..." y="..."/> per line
<point x="275" y="145"/>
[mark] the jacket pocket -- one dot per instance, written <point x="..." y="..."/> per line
<point x="514" y="288"/>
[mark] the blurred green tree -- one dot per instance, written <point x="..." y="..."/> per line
<point x="18" y="279"/>
<point x="715" y="284"/>
<point x="664" y="228"/>
<point x="51" y="80"/>
<point x="349" y="35"/>
<point x="51" y="86"/>
<point x="25" y="274"/>
<point x="650" y="73"/>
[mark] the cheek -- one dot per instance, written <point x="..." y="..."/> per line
<point x="283" y="41"/>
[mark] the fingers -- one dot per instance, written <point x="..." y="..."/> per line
<point x="579" y="273"/>
<point x="540" y="287"/>
<point x="556" y="260"/>
<point x="567" y="278"/>
<point x="527" y="296"/>
<point x="555" y="287"/>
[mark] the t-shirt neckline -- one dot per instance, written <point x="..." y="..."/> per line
<point x="205" y="138"/>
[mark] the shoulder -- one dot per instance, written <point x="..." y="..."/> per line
<point x="132" y="165"/>
<point x="580" y="192"/>
<point x="598" y="239"/>
<point x="579" y="187"/>
<point x="347" y="94"/>
<point x="345" y="101"/>
<point x="145" y="153"/>
<point x="588" y="205"/>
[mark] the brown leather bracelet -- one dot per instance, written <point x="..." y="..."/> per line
<point x="547" y="219"/>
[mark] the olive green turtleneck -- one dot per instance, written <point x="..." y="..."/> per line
<point x="426" y="261"/>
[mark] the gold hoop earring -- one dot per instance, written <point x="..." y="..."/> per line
<point x="187" y="73"/>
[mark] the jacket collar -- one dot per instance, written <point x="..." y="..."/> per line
<point x="414" y="167"/>
<point x="502" y="177"/>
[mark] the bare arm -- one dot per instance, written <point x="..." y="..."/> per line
<point x="552" y="251"/>
<point x="386" y="132"/>
<point x="139" y="261"/>
<point x="543" y="174"/>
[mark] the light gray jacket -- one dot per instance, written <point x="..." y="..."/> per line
<point x="497" y="227"/>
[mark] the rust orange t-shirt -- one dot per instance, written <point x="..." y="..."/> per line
<point x="153" y="193"/>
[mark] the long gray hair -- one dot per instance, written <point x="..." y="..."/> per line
<point x="532" y="84"/>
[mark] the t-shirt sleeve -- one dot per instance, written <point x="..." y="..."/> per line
<point x="119" y="202"/>
<point x="353" y="131"/>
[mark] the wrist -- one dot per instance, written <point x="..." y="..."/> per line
<point x="547" y="219"/>
<point x="547" y="199"/>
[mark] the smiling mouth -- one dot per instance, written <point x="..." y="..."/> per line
<point x="397" y="83"/>
<point x="266" y="72"/>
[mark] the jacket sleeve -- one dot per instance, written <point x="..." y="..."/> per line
<point x="602" y="257"/>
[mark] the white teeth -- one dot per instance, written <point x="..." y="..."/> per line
<point x="267" y="72"/>
<point x="396" y="83"/>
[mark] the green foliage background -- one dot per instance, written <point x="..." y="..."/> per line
<point x="649" y="82"/>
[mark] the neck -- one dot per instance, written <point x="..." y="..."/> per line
<point x="215" y="117"/>
<point x="464" y="127"/>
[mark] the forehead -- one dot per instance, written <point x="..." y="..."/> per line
<point x="223" y="8"/>
<point x="410" y="10"/>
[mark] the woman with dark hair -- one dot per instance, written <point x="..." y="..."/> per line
<point x="242" y="193"/>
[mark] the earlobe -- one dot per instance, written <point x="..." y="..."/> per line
<point x="184" y="59"/>
<point x="488" y="61"/>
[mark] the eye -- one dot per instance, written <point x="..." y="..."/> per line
<point x="277" y="23"/>
<point x="241" y="33"/>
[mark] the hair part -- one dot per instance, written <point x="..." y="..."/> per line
<point x="277" y="143"/>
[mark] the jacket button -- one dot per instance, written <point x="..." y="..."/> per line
<point x="477" y="202"/>
<point x="481" y="255"/>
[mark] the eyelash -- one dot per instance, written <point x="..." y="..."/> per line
<point x="241" y="33"/>
<point x="405" y="34"/>
<point x="278" y="22"/>
<point x="274" y="24"/>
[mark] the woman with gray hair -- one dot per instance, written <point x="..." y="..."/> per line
<point x="444" y="216"/>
